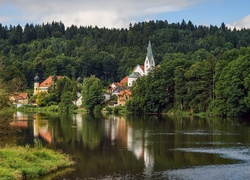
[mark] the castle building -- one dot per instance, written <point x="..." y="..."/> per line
<point x="138" y="71"/>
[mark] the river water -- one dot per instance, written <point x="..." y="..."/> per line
<point x="145" y="147"/>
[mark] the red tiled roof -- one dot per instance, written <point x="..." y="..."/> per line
<point x="124" y="80"/>
<point x="123" y="92"/>
<point x="23" y="95"/>
<point x="20" y="96"/>
<point x="117" y="84"/>
<point x="48" y="82"/>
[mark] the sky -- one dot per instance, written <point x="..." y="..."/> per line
<point x="120" y="13"/>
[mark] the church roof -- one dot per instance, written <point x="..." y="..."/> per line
<point x="149" y="52"/>
<point x="48" y="82"/>
<point x="134" y="75"/>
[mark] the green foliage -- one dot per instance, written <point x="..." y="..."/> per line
<point x="111" y="54"/>
<point x="42" y="98"/>
<point x="108" y="109"/>
<point x="108" y="54"/>
<point x="66" y="103"/>
<point x="233" y="88"/>
<point x="98" y="108"/>
<point x="117" y="109"/>
<point x="52" y="108"/>
<point x="155" y="92"/>
<point x="28" y="163"/>
<point x="38" y="143"/>
<point x="4" y="100"/>
<point x="92" y="93"/>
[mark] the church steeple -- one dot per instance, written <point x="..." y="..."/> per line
<point x="149" y="61"/>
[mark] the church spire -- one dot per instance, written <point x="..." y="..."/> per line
<point x="149" y="62"/>
<point x="149" y="51"/>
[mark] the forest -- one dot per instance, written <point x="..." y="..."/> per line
<point x="201" y="68"/>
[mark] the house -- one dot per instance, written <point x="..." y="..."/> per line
<point x="106" y="97"/>
<point x="139" y="71"/>
<point x="78" y="101"/>
<point x="20" y="99"/>
<point x="115" y="88"/>
<point x="45" y="85"/>
<point x="123" y="96"/>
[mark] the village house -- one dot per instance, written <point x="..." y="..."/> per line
<point x="19" y="99"/>
<point x="115" y="88"/>
<point x="123" y="96"/>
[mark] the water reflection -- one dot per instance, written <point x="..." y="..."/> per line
<point x="137" y="147"/>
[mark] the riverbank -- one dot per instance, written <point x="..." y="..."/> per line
<point x="26" y="162"/>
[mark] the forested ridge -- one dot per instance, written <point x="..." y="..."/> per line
<point x="203" y="67"/>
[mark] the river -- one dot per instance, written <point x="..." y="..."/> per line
<point x="145" y="147"/>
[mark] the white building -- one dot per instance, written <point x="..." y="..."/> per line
<point x="138" y="71"/>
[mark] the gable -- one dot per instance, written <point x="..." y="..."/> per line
<point x="48" y="82"/>
<point x="139" y="69"/>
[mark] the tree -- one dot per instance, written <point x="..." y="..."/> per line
<point x="92" y="92"/>
<point x="62" y="86"/>
<point x="66" y="103"/>
<point x="233" y="88"/>
<point x="41" y="98"/>
<point x="199" y="86"/>
<point x="4" y="99"/>
<point x="155" y="92"/>
<point x="180" y="87"/>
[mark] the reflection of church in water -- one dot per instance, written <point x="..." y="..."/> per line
<point x="136" y="141"/>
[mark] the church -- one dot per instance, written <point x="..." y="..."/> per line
<point x="45" y="85"/>
<point x="139" y="71"/>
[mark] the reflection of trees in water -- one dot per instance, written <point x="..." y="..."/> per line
<point x="85" y="129"/>
<point x="92" y="130"/>
<point x="8" y="133"/>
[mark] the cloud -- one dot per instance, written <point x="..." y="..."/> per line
<point x="242" y="23"/>
<point x="109" y="13"/>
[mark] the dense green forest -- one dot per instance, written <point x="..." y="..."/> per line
<point x="201" y="67"/>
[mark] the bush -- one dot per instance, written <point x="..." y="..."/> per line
<point x="98" y="108"/>
<point x="117" y="109"/>
<point x="108" y="109"/>
<point x="53" y="108"/>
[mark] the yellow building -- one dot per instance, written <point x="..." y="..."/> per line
<point x="45" y="85"/>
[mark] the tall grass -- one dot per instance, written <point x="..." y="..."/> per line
<point x="26" y="163"/>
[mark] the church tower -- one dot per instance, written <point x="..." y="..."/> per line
<point x="36" y="85"/>
<point x="149" y="62"/>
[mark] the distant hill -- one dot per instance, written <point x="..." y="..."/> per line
<point x="109" y="54"/>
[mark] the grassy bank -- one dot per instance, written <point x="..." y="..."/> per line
<point x="26" y="163"/>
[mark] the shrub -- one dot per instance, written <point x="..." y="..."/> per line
<point x="108" y="109"/>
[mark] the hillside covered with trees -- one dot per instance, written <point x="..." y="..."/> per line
<point x="201" y="68"/>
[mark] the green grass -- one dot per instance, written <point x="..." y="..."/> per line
<point x="25" y="162"/>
